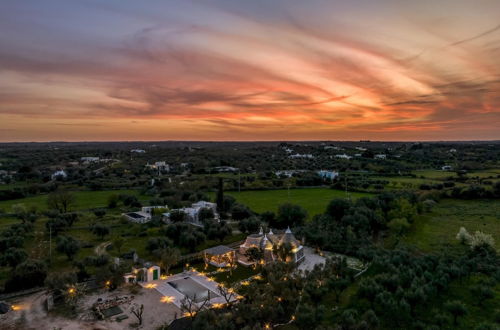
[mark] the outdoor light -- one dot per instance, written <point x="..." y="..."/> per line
<point x="71" y="290"/>
<point x="167" y="299"/>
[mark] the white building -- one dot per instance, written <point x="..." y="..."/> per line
<point x="288" y="173"/>
<point x="147" y="273"/>
<point x="144" y="215"/>
<point x="446" y="168"/>
<point x="159" y="166"/>
<point x="139" y="151"/>
<point x="343" y="156"/>
<point x="380" y="156"/>
<point x="192" y="213"/>
<point x="226" y="169"/>
<point x="59" y="174"/>
<point x="330" y="175"/>
<point x="87" y="160"/>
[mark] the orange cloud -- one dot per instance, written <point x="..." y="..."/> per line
<point x="261" y="80"/>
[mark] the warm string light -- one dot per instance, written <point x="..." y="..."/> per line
<point x="167" y="299"/>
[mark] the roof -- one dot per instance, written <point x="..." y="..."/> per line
<point x="149" y="264"/>
<point x="288" y="238"/>
<point x="218" y="250"/>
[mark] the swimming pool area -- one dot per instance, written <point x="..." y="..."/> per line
<point x="188" y="284"/>
<point x="192" y="289"/>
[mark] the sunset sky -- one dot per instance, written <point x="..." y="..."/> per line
<point x="249" y="70"/>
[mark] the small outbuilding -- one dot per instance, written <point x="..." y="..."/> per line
<point x="147" y="273"/>
<point x="220" y="256"/>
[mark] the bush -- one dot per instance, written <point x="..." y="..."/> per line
<point x="28" y="274"/>
<point x="480" y="239"/>
<point x="463" y="236"/>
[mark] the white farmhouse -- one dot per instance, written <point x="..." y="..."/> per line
<point x="192" y="213"/>
<point x="59" y="174"/>
<point x="330" y="175"/>
<point x="160" y="166"/>
<point x="87" y="160"/>
<point x="145" y="214"/>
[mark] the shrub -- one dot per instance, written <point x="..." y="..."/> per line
<point x="480" y="239"/>
<point x="463" y="236"/>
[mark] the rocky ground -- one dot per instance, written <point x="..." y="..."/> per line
<point x="30" y="313"/>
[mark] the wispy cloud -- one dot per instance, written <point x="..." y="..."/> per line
<point x="235" y="69"/>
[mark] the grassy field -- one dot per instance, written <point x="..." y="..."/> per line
<point x="441" y="175"/>
<point x="314" y="200"/>
<point x="435" y="174"/>
<point x="438" y="229"/>
<point x="476" y="314"/>
<point x="83" y="199"/>
<point x="406" y="182"/>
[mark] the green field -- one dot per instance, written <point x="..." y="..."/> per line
<point x="314" y="200"/>
<point x="435" y="174"/>
<point x="83" y="199"/>
<point x="441" y="175"/>
<point x="437" y="230"/>
<point x="406" y="182"/>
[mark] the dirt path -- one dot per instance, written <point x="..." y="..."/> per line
<point x="101" y="248"/>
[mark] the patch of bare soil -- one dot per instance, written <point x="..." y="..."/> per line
<point x="31" y="314"/>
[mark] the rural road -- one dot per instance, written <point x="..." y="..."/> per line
<point x="101" y="248"/>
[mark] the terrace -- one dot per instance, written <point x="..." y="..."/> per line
<point x="191" y="284"/>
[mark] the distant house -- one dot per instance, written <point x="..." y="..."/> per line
<point x="358" y="155"/>
<point x="380" y="156"/>
<point x="360" y="148"/>
<point x="446" y="168"/>
<point x="59" y="174"/>
<point x="226" y="169"/>
<point x="333" y="147"/>
<point x="87" y="160"/>
<point x="159" y="166"/>
<point x="330" y="175"/>
<point x="288" y="173"/>
<point x="343" y="156"/>
<point x="192" y="213"/>
<point x="139" y="151"/>
<point x="452" y="150"/>
<point x="144" y="215"/>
